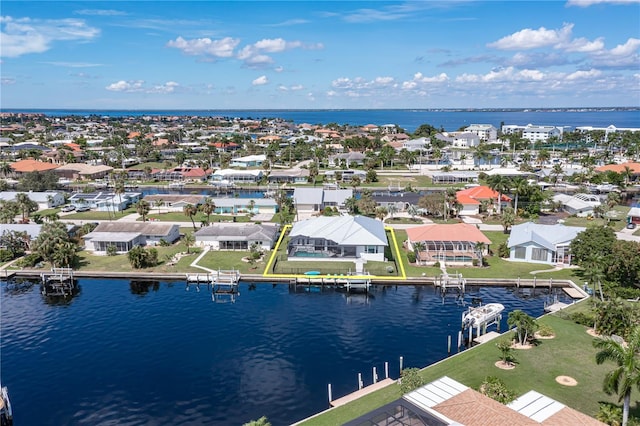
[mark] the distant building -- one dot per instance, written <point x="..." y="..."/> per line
<point x="45" y="199"/>
<point x="486" y="132"/>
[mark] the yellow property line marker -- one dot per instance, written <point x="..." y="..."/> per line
<point x="394" y="246"/>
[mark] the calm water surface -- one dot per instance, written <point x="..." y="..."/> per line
<point x="119" y="354"/>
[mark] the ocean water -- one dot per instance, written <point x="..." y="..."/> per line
<point x="155" y="354"/>
<point x="408" y="119"/>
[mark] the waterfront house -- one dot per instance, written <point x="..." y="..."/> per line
<point x="470" y="206"/>
<point x="458" y="176"/>
<point x="235" y="176"/>
<point x="289" y="176"/>
<point x="400" y="200"/>
<point x="634" y="170"/>
<point x="452" y="244"/>
<point x="581" y="205"/>
<point x="540" y="133"/>
<point x="349" y="158"/>
<point x="316" y="199"/>
<point x="345" y="175"/>
<point x="249" y="161"/>
<point x="337" y="238"/>
<point x="44" y="199"/>
<point x="236" y="236"/>
<point x="126" y="235"/>
<point x="83" y="171"/>
<point x="105" y="201"/>
<point x="233" y="205"/>
<point x="30" y="165"/>
<point x="536" y="243"/>
<point x="174" y="202"/>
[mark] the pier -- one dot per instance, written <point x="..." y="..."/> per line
<point x="446" y="282"/>
<point x="350" y="284"/>
<point x="58" y="282"/>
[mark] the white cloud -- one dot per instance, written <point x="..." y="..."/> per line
<point x="222" y="48"/>
<point x="73" y="64"/>
<point x="583" y="45"/>
<point x="531" y="39"/>
<point x="622" y="56"/>
<point x="584" y="75"/>
<point x="7" y="80"/>
<point x="168" y="87"/>
<point x="260" y="81"/>
<point x="138" y="86"/>
<point x="508" y="74"/>
<point x="587" y="3"/>
<point x="254" y="56"/>
<point x="25" y="35"/>
<point x="100" y="12"/>
<point x="126" y="86"/>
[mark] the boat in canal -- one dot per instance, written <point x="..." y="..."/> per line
<point x="482" y="315"/>
<point x="6" y="413"/>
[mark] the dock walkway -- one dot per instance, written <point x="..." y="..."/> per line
<point x="362" y="392"/>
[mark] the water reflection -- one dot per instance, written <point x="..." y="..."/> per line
<point x="142" y="287"/>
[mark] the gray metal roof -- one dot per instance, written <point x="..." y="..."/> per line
<point x="344" y="230"/>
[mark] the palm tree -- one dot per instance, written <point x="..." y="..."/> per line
<point x="627" y="374"/>
<point x="392" y="209"/>
<point x="26" y="205"/>
<point x="142" y="208"/>
<point x="507" y="219"/>
<point x="208" y="207"/>
<point x="520" y="187"/>
<point x="381" y="213"/>
<point x="479" y="248"/>
<point x="413" y="211"/>
<point x="525" y="325"/>
<point x="351" y="205"/>
<point x="190" y="210"/>
<point x="189" y="240"/>
<point x="500" y="184"/>
<point x="159" y="203"/>
<point x="556" y="172"/>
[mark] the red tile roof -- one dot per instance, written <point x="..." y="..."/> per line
<point x="483" y="193"/>
<point x="466" y="200"/>
<point x="30" y="165"/>
<point x="619" y="168"/>
<point x="452" y="232"/>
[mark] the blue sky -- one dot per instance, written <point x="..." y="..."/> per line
<point x="319" y="54"/>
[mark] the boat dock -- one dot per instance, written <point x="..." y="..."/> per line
<point x="362" y="392"/>
<point x="480" y="318"/>
<point x="58" y="282"/>
<point x="350" y="284"/>
<point x="446" y="282"/>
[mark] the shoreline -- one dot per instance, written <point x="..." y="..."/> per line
<point x="259" y="278"/>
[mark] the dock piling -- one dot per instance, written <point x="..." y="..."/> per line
<point x="360" y="384"/>
<point x="330" y="395"/>
<point x="386" y="369"/>
<point x="375" y="375"/>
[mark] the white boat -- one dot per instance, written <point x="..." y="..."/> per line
<point x="482" y="315"/>
<point x="176" y="185"/>
<point x="6" y="413"/>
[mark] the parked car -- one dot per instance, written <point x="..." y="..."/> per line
<point x="68" y="208"/>
<point x="631" y="226"/>
<point x="83" y="208"/>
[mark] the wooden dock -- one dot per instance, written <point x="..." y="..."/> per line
<point x="362" y="392"/>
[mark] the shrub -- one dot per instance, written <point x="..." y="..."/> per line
<point x="411" y="257"/>
<point x="583" y="318"/>
<point x="112" y="250"/>
<point x="163" y="243"/>
<point x="6" y="255"/>
<point x="436" y="265"/>
<point x="545" y="330"/>
<point x="474" y="262"/>
<point x="495" y="389"/>
<point x="29" y="260"/>
<point x="503" y="250"/>
<point x="410" y="380"/>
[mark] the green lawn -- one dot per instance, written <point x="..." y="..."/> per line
<point x="570" y="353"/>
<point x="198" y="218"/>
<point x="617" y="221"/>
<point x="95" y="215"/>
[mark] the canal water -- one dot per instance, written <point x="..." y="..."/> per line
<point x="132" y="353"/>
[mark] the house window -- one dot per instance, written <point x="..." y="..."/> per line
<point x="520" y="253"/>
<point x="539" y="254"/>
<point x="372" y="249"/>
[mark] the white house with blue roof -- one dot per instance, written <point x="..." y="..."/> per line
<point x="537" y="243"/>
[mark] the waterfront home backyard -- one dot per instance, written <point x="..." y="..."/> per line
<point x="570" y="353"/>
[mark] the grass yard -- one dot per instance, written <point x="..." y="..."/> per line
<point x="95" y="215"/>
<point x="617" y="219"/>
<point x="120" y="262"/>
<point x="570" y="353"/>
<point x="198" y="218"/>
<point x="225" y="260"/>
